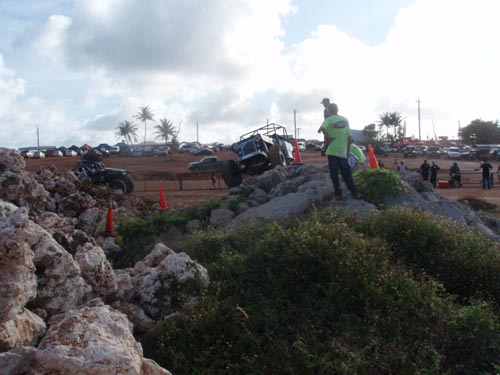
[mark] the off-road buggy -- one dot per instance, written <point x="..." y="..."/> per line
<point x="97" y="173"/>
<point x="258" y="151"/>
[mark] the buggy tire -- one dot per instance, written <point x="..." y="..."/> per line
<point x="231" y="173"/>
<point x="118" y="184"/>
<point x="277" y="157"/>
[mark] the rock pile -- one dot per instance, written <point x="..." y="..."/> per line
<point x="63" y="308"/>
<point x="280" y="194"/>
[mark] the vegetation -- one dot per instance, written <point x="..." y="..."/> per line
<point x="481" y="132"/>
<point x="138" y="237"/>
<point x="372" y="135"/>
<point x="127" y="130"/>
<point x="377" y="184"/>
<point x="394" y="120"/>
<point x="336" y="295"/>
<point x="465" y="263"/>
<point x="144" y="115"/>
<point x="165" y="130"/>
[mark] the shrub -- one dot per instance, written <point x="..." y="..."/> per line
<point x="138" y="237"/>
<point x="376" y="184"/>
<point x="320" y="298"/>
<point x="465" y="262"/>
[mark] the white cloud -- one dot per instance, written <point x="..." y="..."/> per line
<point x="50" y="40"/>
<point x="223" y="64"/>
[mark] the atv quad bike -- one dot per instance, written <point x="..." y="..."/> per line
<point x="257" y="152"/>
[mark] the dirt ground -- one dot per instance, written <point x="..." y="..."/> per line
<point x="152" y="172"/>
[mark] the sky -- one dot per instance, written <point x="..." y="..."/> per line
<point x="75" y="69"/>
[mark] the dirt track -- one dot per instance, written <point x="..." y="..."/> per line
<point x="152" y="172"/>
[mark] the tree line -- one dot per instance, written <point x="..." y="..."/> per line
<point x="391" y="127"/>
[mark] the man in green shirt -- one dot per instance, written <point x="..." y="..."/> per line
<point x="339" y="139"/>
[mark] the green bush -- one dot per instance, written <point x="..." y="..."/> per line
<point x="319" y="298"/>
<point x="465" y="262"/>
<point x="138" y="237"/>
<point x="376" y="184"/>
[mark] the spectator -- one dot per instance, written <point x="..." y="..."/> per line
<point x="338" y="140"/>
<point x="380" y="164"/>
<point x="486" y="167"/>
<point x="434" y="172"/>
<point x="326" y="104"/>
<point x="402" y="166"/>
<point x="424" y="170"/>
<point x="498" y="173"/>
<point x="213" y="180"/>
<point x="330" y="108"/>
<point x="455" y="175"/>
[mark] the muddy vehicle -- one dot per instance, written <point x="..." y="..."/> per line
<point x="97" y="173"/>
<point x="257" y="152"/>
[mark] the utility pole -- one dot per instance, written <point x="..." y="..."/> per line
<point x="418" y="101"/>
<point x="38" y="138"/>
<point x="298" y="133"/>
<point x="459" y="133"/>
<point x="295" y="124"/>
<point x="197" y="139"/>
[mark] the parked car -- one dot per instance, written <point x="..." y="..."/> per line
<point x="479" y="153"/>
<point x="421" y="150"/>
<point x="189" y="147"/>
<point x="379" y="152"/>
<point x="206" y="164"/>
<point x="114" y="149"/>
<point x="202" y="151"/>
<point x="27" y="154"/>
<point x="410" y="152"/>
<point x="434" y="152"/>
<point x="54" y="153"/>
<point x="494" y="154"/>
<point x="389" y="149"/>
<point x="70" y="153"/>
<point x="454" y="153"/>
<point x="160" y="151"/>
<point x="302" y="145"/>
<point x="38" y="155"/>
<point x="318" y="147"/>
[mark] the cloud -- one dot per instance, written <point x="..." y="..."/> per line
<point x="224" y="66"/>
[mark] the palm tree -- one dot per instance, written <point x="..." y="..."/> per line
<point x="396" y="122"/>
<point x="165" y="129"/>
<point x="385" y="120"/>
<point x="144" y="115"/>
<point x="127" y="130"/>
<point x="392" y="119"/>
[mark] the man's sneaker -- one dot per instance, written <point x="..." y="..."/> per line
<point x="338" y="196"/>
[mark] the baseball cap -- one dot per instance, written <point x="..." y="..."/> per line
<point x="325" y="100"/>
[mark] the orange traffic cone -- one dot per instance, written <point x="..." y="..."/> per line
<point x="298" y="160"/>
<point x="163" y="202"/>
<point x="109" y="222"/>
<point x="373" y="160"/>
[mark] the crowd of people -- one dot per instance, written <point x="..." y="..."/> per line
<point x="429" y="173"/>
